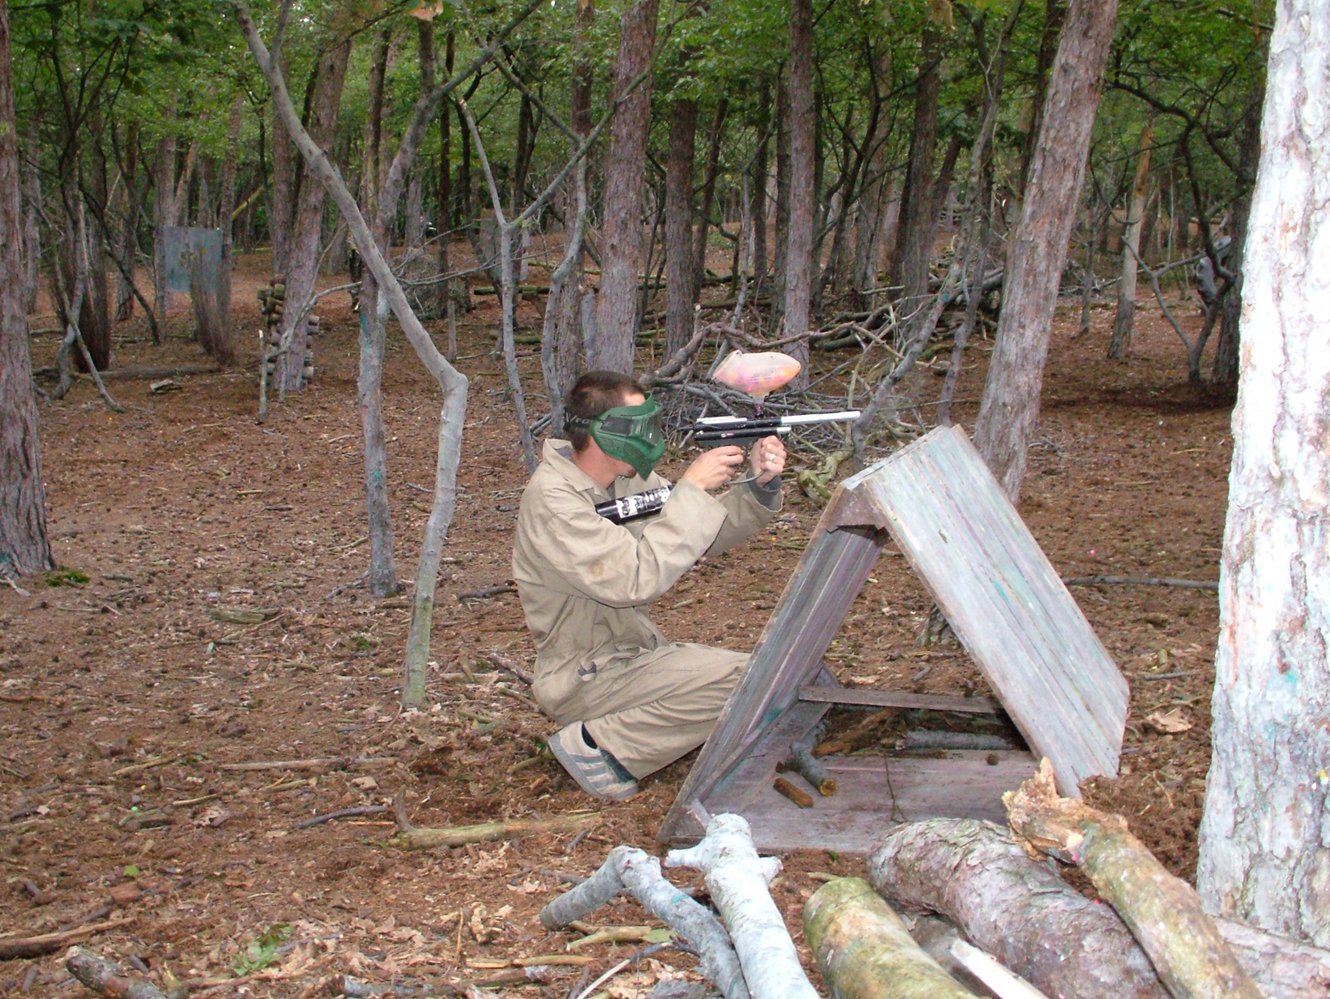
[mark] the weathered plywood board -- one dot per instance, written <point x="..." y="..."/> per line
<point x="1004" y="600"/>
<point x="875" y="795"/>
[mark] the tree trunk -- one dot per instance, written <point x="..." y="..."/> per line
<point x="799" y="263"/>
<point x="1009" y="410"/>
<point x="1224" y="370"/>
<point x="303" y="263"/>
<point x="373" y="316"/>
<point x="865" y="950"/>
<point x="758" y="184"/>
<point x="679" y="262"/>
<point x="164" y="214"/>
<point x="621" y="231"/>
<point x="708" y="201"/>
<point x="1263" y="838"/>
<point x="24" y="548"/>
<point x="914" y="239"/>
<point x="870" y="211"/>
<point x="1124" y="321"/>
<point x="32" y="208"/>
<point x="452" y="383"/>
<point x="562" y="348"/>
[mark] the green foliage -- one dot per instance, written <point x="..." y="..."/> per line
<point x="263" y="951"/>
<point x="65" y="577"/>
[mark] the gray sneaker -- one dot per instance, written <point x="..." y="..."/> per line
<point x="597" y="772"/>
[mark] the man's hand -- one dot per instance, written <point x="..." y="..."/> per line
<point x="767" y="459"/>
<point x="713" y="469"/>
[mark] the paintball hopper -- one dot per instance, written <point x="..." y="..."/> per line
<point x="756" y="374"/>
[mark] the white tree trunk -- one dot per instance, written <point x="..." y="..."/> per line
<point x="1265" y="835"/>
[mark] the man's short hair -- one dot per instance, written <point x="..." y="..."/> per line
<point x="594" y="393"/>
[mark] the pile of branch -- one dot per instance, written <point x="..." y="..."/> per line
<point x="960" y="907"/>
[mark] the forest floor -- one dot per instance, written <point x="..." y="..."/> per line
<point x="205" y="681"/>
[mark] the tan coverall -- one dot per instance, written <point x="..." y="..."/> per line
<point x="585" y="584"/>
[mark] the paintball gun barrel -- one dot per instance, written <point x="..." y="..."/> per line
<point x="713" y="431"/>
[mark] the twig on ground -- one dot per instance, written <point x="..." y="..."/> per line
<point x="342" y="813"/>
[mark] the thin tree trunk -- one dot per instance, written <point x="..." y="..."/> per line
<point x="1224" y="370"/>
<point x="708" y="200"/>
<point x="799" y="264"/>
<point x="1124" y="320"/>
<point x="452" y="383"/>
<point x="1264" y="833"/>
<point x="679" y="259"/>
<point x="914" y="239"/>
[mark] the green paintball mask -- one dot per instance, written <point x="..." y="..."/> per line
<point x="632" y="434"/>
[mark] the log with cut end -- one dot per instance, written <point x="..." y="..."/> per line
<point x="1016" y="909"/>
<point x="1164" y="912"/>
<point x="864" y="949"/>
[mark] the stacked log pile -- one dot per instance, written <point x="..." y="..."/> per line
<point x="1008" y="923"/>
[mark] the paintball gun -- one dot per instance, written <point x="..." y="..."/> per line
<point x="709" y="432"/>
<point x="713" y="431"/>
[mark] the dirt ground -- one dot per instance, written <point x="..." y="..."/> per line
<point x="185" y="706"/>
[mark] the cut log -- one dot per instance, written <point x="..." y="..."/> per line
<point x="737" y="880"/>
<point x="630" y="871"/>
<point x="1189" y="953"/>
<point x="102" y="976"/>
<point x="864" y="949"/>
<point x="1015" y="908"/>
<point x="425" y="838"/>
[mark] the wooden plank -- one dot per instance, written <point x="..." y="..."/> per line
<point x="1004" y="601"/>
<point x="898" y="699"/>
<point x="875" y="795"/>
<point x="788" y="653"/>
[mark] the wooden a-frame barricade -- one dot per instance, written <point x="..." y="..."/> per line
<point x="1053" y="679"/>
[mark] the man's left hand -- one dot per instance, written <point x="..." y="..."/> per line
<point x="767" y="459"/>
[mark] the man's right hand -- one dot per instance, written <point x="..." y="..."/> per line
<point x="714" y="468"/>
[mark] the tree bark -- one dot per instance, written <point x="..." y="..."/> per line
<point x="737" y="880"/>
<point x="1018" y="910"/>
<point x="24" y="547"/>
<point x="630" y="871"/>
<point x="621" y="232"/>
<point x="914" y="239"/>
<point x="1009" y="410"/>
<point x="865" y="950"/>
<point x="1264" y="856"/>
<point x="1226" y="365"/>
<point x="802" y="188"/>
<point x="679" y="262"/>
<point x="307" y="233"/>
<point x="1164" y="913"/>
<point x="1125" y="319"/>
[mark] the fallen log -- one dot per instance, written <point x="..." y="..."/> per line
<point x="49" y="943"/>
<point x="1018" y="910"/>
<point x="1164" y="913"/>
<point x="737" y="880"/>
<point x="864" y="949"/>
<point x="102" y="976"/>
<point x="628" y="870"/>
<point x="425" y="838"/>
